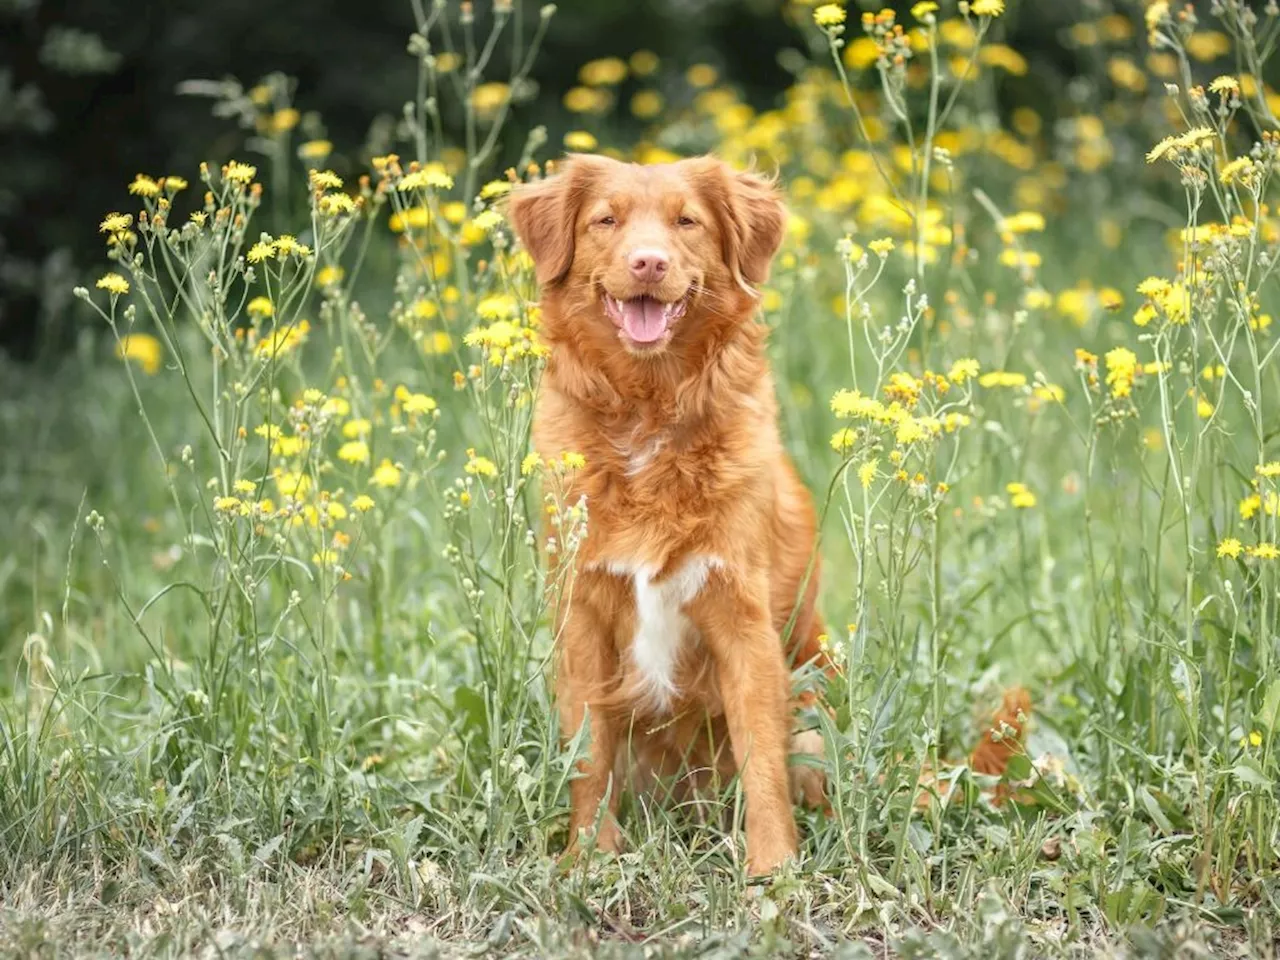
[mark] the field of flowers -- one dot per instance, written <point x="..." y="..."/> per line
<point x="273" y="604"/>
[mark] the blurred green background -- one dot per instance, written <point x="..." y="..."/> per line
<point x="89" y="96"/>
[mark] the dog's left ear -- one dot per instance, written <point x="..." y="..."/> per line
<point x="758" y="220"/>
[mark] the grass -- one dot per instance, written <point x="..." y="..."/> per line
<point x="273" y="615"/>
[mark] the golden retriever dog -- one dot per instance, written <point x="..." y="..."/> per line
<point x="699" y="553"/>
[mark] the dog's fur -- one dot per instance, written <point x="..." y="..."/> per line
<point x="700" y="543"/>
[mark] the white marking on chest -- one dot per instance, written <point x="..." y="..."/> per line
<point x="661" y="625"/>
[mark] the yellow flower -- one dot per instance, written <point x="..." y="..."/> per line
<point x="987" y="8"/>
<point x="244" y="486"/>
<point x="1229" y="547"/>
<point x="606" y="72"/>
<point x="1269" y="469"/>
<point x="829" y="15"/>
<point x="363" y="503"/>
<point x="963" y="370"/>
<point x="329" y="276"/>
<point x="284" y="340"/>
<point x="488" y="97"/>
<point x="431" y="176"/>
<point x="1002" y="378"/>
<point x="418" y="403"/>
<point x="173" y="184"/>
<point x="143" y="348"/>
<point x="1225" y="85"/>
<point x="923" y="9"/>
<point x="1160" y="149"/>
<point x="387" y="474"/>
<point x="315" y="149"/>
<point x="354" y="451"/>
<point x="260" y="308"/>
<point x="1265" y="551"/>
<point x="530" y="463"/>
<point x="573" y="461"/>
<point x="322" y="180"/>
<point x="114" y="284"/>
<point x="282" y="121"/>
<point x="867" y="472"/>
<point x="1020" y="496"/>
<point x="144" y="186"/>
<point x="115" y="222"/>
<point x="580" y="141"/>
<point x="842" y="440"/>
<point x="1122" y="367"/>
<point x="237" y="172"/>
<point x="479" y="466"/>
<point x="260" y="251"/>
<point x="335" y="204"/>
<point x="494" y="189"/>
<point x="881" y="248"/>
<point x="230" y="505"/>
<point x="646" y="104"/>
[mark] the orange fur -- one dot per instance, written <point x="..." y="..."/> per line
<point x="684" y="463"/>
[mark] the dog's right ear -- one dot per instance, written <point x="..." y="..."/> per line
<point x="544" y="215"/>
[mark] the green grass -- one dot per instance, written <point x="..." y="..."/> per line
<point x="213" y="742"/>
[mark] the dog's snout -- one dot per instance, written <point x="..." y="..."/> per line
<point x="648" y="266"/>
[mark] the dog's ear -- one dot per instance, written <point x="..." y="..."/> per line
<point x="544" y="215"/>
<point x="759" y="219"/>
<point x="752" y="217"/>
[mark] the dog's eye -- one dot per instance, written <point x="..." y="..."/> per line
<point x="683" y="221"/>
<point x="608" y="221"/>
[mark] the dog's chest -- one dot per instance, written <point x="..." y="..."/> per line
<point x="662" y="628"/>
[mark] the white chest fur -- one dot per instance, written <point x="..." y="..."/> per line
<point x="661" y="624"/>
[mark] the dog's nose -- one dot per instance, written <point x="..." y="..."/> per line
<point x="648" y="266"/>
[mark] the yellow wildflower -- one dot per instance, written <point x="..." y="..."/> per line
<point x="354" y="451"/>
<point x="1020" y="496"/>
<point x="144" y="186"/>
<point x="387" y="474"/>
<point x="363" y="503"/>
<point x="987" y="8"/>
<point x="114" y="284"/>
<point x="479" y="466"/>
<point x="842" y="440"/>
<point x="142" y="348"/>
<point x="829" y="15"/>
<point x="1229" y="547"/>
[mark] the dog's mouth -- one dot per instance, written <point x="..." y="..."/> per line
<point x="645" y="321"/>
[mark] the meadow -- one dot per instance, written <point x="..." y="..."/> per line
<point x="273" y="603"/>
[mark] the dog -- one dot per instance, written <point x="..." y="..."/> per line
<point x="700" y="555"/>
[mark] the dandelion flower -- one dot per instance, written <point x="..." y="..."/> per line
<point x="842" y="440"/>
<point x="115" y="222"/>
<point x="240" y="173"/>
<point x="881" y="248"/>
<point x="387" y="474"/>
<point x="530" y="463"/>
<point x="1230" y="547"/>
<point x="867" y="472"/>
<point x="479" y="466"/>
<point x="114" y="284"/>
<point x="923" y="9"/>
<point x="144" y="186"/>
<point x="260" y="251"/>
<point x="829" y="15"/>
<point x="354" y="451"/>
<point x="363" y="503"/>
<point x="573" y="461"/>
<point x="987" y="8"/>
<point x="418" y="403"/>
<point x="1265" y="551"/>
<point x="322" y="180"/>
<point x="1161" y="149"/>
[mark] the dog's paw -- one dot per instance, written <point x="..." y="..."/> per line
<point x="809" y="779"/>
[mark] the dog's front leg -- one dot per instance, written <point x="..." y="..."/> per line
<point x="588" y="661"/>
<point x="755" y="689"/>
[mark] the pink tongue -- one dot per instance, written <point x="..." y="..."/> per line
<point x="644" y="319"/>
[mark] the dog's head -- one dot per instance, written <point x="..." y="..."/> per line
<point x="649" y="252"/>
